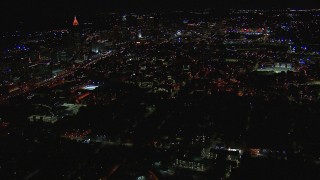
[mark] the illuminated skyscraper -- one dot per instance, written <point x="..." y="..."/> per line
<point x="140" y="34"/>
<point x="75" y="37"/>
<point x="75" y="21"/>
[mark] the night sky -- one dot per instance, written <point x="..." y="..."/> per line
<point x="62" y="6"/>
<point x="147" y="4"/>
<point x="35" y="11"/>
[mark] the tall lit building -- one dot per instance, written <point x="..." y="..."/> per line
<point x="75" y="37"/>
<point x="75" y="21"/>
<point x="140" y="34"/>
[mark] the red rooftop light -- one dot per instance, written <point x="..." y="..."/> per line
<point x="75" y="22"/>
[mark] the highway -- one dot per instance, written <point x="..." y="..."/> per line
<point x="57" y="80"/>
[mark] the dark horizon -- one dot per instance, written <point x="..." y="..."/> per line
<point x="34" y="7"/>
<point x="36" y="13"/>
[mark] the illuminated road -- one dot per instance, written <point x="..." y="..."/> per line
<point x="153" y="176"/>
<point x="113" y="170"/>
<point x="54" y="81"/>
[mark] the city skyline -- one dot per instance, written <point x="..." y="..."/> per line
<point x="59" y="6"/>
<point x="54" y="13"/>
